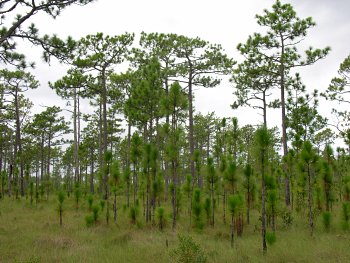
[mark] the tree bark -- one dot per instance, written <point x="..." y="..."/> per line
<point x="190" y="124"/>
<point x="309" y="200"/>
<point x="232" y="230"/>
<point x="105" y="130"/>
<point x="115" y="207"/>
<point x="248" y="202"/>
<point x="75" y="143"/>
<point x="48" y="167"/>
<point x="263" y="224"/>
<point x="284" y="122"/>
<point x="18" y="143"/>
<point x="92" y="188"/>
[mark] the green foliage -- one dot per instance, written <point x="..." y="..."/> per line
<point x="270" y="238"/>
<point x="127" y="177"/>
<point x="143" y="102"/>
<point x="108" y="156"/>
<point x="248" y="171"/>
<point x="326" y="220"/>
<point x="158" y="187"/>
<point x="272" y="197"/>
<point x="61" y="196"/>
<point x="179" y="196"/>
<point x="187" y="187"/>
<point x="115" y="172"/>
<point x="89" y="220"/>
<point x="175" y="102"/>
<point x="207" y="208"/>
<point x="287" y="218"/>
<point x="212" y="178"/>
<point x="308" y="154"/>
<point x="188" y="251"/>
<point x="161" y="217"/>
<point x="134" y="213"/>
<point x="345" y="216"/>
<point x="230" y="174"/>
<point x="197" y="208"/>
<point x="337" y="88"/>
<point x="95" y="212"/>
<point x="102" y="204"/>
<point x="136" y="148"/>
<point x="197" y="156"/>
<point x="169" y="138"/>
<point x="318" y="197"/>
<point x="90" y="200"/>
<point x="31" y="190"/>
<point x="263" y="138"/>
<point x="235" y="204"/>
<point x="270" y="182"/>
<point x="327" y="173"/>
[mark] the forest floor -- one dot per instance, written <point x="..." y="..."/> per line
<point x="31" y="233"/>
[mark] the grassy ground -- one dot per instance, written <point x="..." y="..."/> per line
<point x="32" y="234"/>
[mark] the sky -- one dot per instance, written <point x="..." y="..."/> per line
<point x="225" y="22"/>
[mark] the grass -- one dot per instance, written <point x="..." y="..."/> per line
<point x="33" y="234"/>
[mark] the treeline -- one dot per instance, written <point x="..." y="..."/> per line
<point x="169" y="153"/>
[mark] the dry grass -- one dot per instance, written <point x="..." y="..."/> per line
<point x="32" y="234"/>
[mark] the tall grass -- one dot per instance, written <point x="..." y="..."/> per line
<point x="33" y="234"/>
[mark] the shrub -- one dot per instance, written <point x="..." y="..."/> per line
<point x="89" y="220"/>
<point x="90" y="200"/>
<point x="207" y="208"/>
<point x="188" y="251"/>
<point x="270" y="238"/>
<point x="345" y="216"/>
<point x="287" y="218"/>
<point x="95" y="210"/>
<point x="161" y="217"/>
<point x="326" y="216"/>
<point x="197" y="208"/>
<point x="102" y="204"/>
<point x="133" y="214"/>
<point x="42" y="190"/>
<point x="60" y="197"/>
<point x="31" y="191"/>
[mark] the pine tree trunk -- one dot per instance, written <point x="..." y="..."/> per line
<point x="60" y="216"/>
<point x="104" y="119"/>
<point x="212" y="201"/>
<point x="128" y="193"/>
<point x="92" y="188"/>
<point x="115" y="207"/>
<point x="147" y="202"/>
<point x="134" y="184"/>
<point x="75" y="142"/>
<point x="273" y="219"/>
<point x="48" y="168"/>
<point x="232" y="230"/>
<point x="284" y="123"/>
<point x="224" y="206"/>
<point x="309" y="200"/>
<point x="190" y="123"/>
<point x="107" y="210"/>
<point x="248" y="204"/>
<point x="263" y="224"/>
<point x="174" y="195"/>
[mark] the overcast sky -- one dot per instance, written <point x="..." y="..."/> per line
<point x="225" y="22"/>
